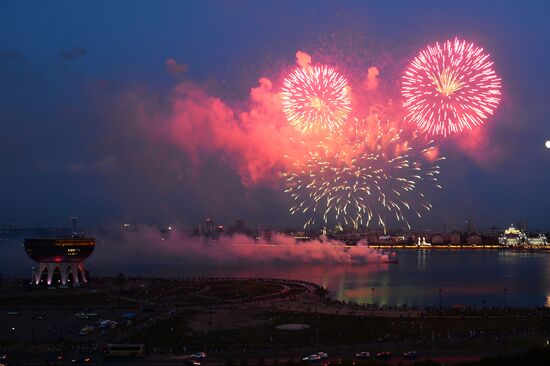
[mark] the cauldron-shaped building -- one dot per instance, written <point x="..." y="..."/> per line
<point x="60" y="260"/>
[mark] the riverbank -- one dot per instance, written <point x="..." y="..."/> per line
<point x="545" y="249"/>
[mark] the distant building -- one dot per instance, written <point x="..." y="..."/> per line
<point x="455" y="238"/>
<point x="373" y="239"/>
<point x="513" y="237"/>
<point x="474" y="239"/>
<point x="209" y="226"/>
<point x="437" y="239"/>
<point x="239" y="228"/>
<point x="470" y="225"/>
<point x="539" y="240"/>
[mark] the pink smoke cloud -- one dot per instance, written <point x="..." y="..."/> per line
<point x="303" y="59"/>
<point x="256" y="140"/>
<point x="146" y="242"/>
<point x="371" y="83"/>
<point x="478" y="145"/>
<point x="175" y="68"/>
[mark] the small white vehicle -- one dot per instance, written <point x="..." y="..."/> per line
<point x="107" y="324"/>
<point x="198" y="355"/>
<point x="311" y="358"/>
<point x="362" y="355"/>
<point x="316" y="357"/>
<point x="87" y="330"/>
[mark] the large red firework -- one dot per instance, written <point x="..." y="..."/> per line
<point x="316" y="98"/>
<point x="450" y="87"/>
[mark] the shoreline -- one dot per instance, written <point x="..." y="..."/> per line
<point x="457" y="247"/>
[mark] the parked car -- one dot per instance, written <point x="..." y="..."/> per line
<point x="362" y="355"/>
<point x="81" y="360"/>
<point x="411" y="355"/>
<point x="311" y="358"/>
<point x="315" y="357"/>
<point x="87" y="330"/>
<point x="107" y="324"/>
<point x="198" y="355"/>
<point x="383" y="356"/>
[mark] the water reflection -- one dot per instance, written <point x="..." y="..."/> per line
<point x="422" y="254"/>
<point x="474" y="277"/>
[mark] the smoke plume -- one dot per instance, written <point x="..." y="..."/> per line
<point x="303" y="59"/>
<point x="147" y="243"/>
<point x="372" y="78"/>
<point x="175" y="68"/>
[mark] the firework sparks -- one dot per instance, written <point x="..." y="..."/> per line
<point x="316" y="98"/>
<point x="450" y="87"/>
<point x="373" y="176"/>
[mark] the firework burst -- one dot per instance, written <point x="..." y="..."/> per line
<point x="316" y="98"/>
<point x="451" y="87"/>
<point x="372" y="175"/>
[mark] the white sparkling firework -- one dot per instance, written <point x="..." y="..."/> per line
<point x="374" y="176"/>
<point x="316" y="98"/>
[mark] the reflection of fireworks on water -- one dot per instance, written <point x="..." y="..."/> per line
<point x="315" y="99"/>
<point x="450" y="87"/>
<point x="373" y="175"/>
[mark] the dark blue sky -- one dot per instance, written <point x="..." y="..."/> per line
<point x="67" y="68"/>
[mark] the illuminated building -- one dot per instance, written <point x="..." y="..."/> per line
<point x="60" y="260"/>
<point x="537" y="240"/>
<point x="513" y="237"/>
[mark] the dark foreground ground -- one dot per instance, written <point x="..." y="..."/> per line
<point x="237" y="321"/>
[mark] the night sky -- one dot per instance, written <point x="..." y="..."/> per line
<point x="87" y="87"/>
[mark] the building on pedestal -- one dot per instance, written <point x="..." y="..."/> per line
<point x="60" y="261"/>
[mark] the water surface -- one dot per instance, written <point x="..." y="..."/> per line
<point x="422" y="277"/>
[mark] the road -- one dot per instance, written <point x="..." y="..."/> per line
<point x="252" y="358"/>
